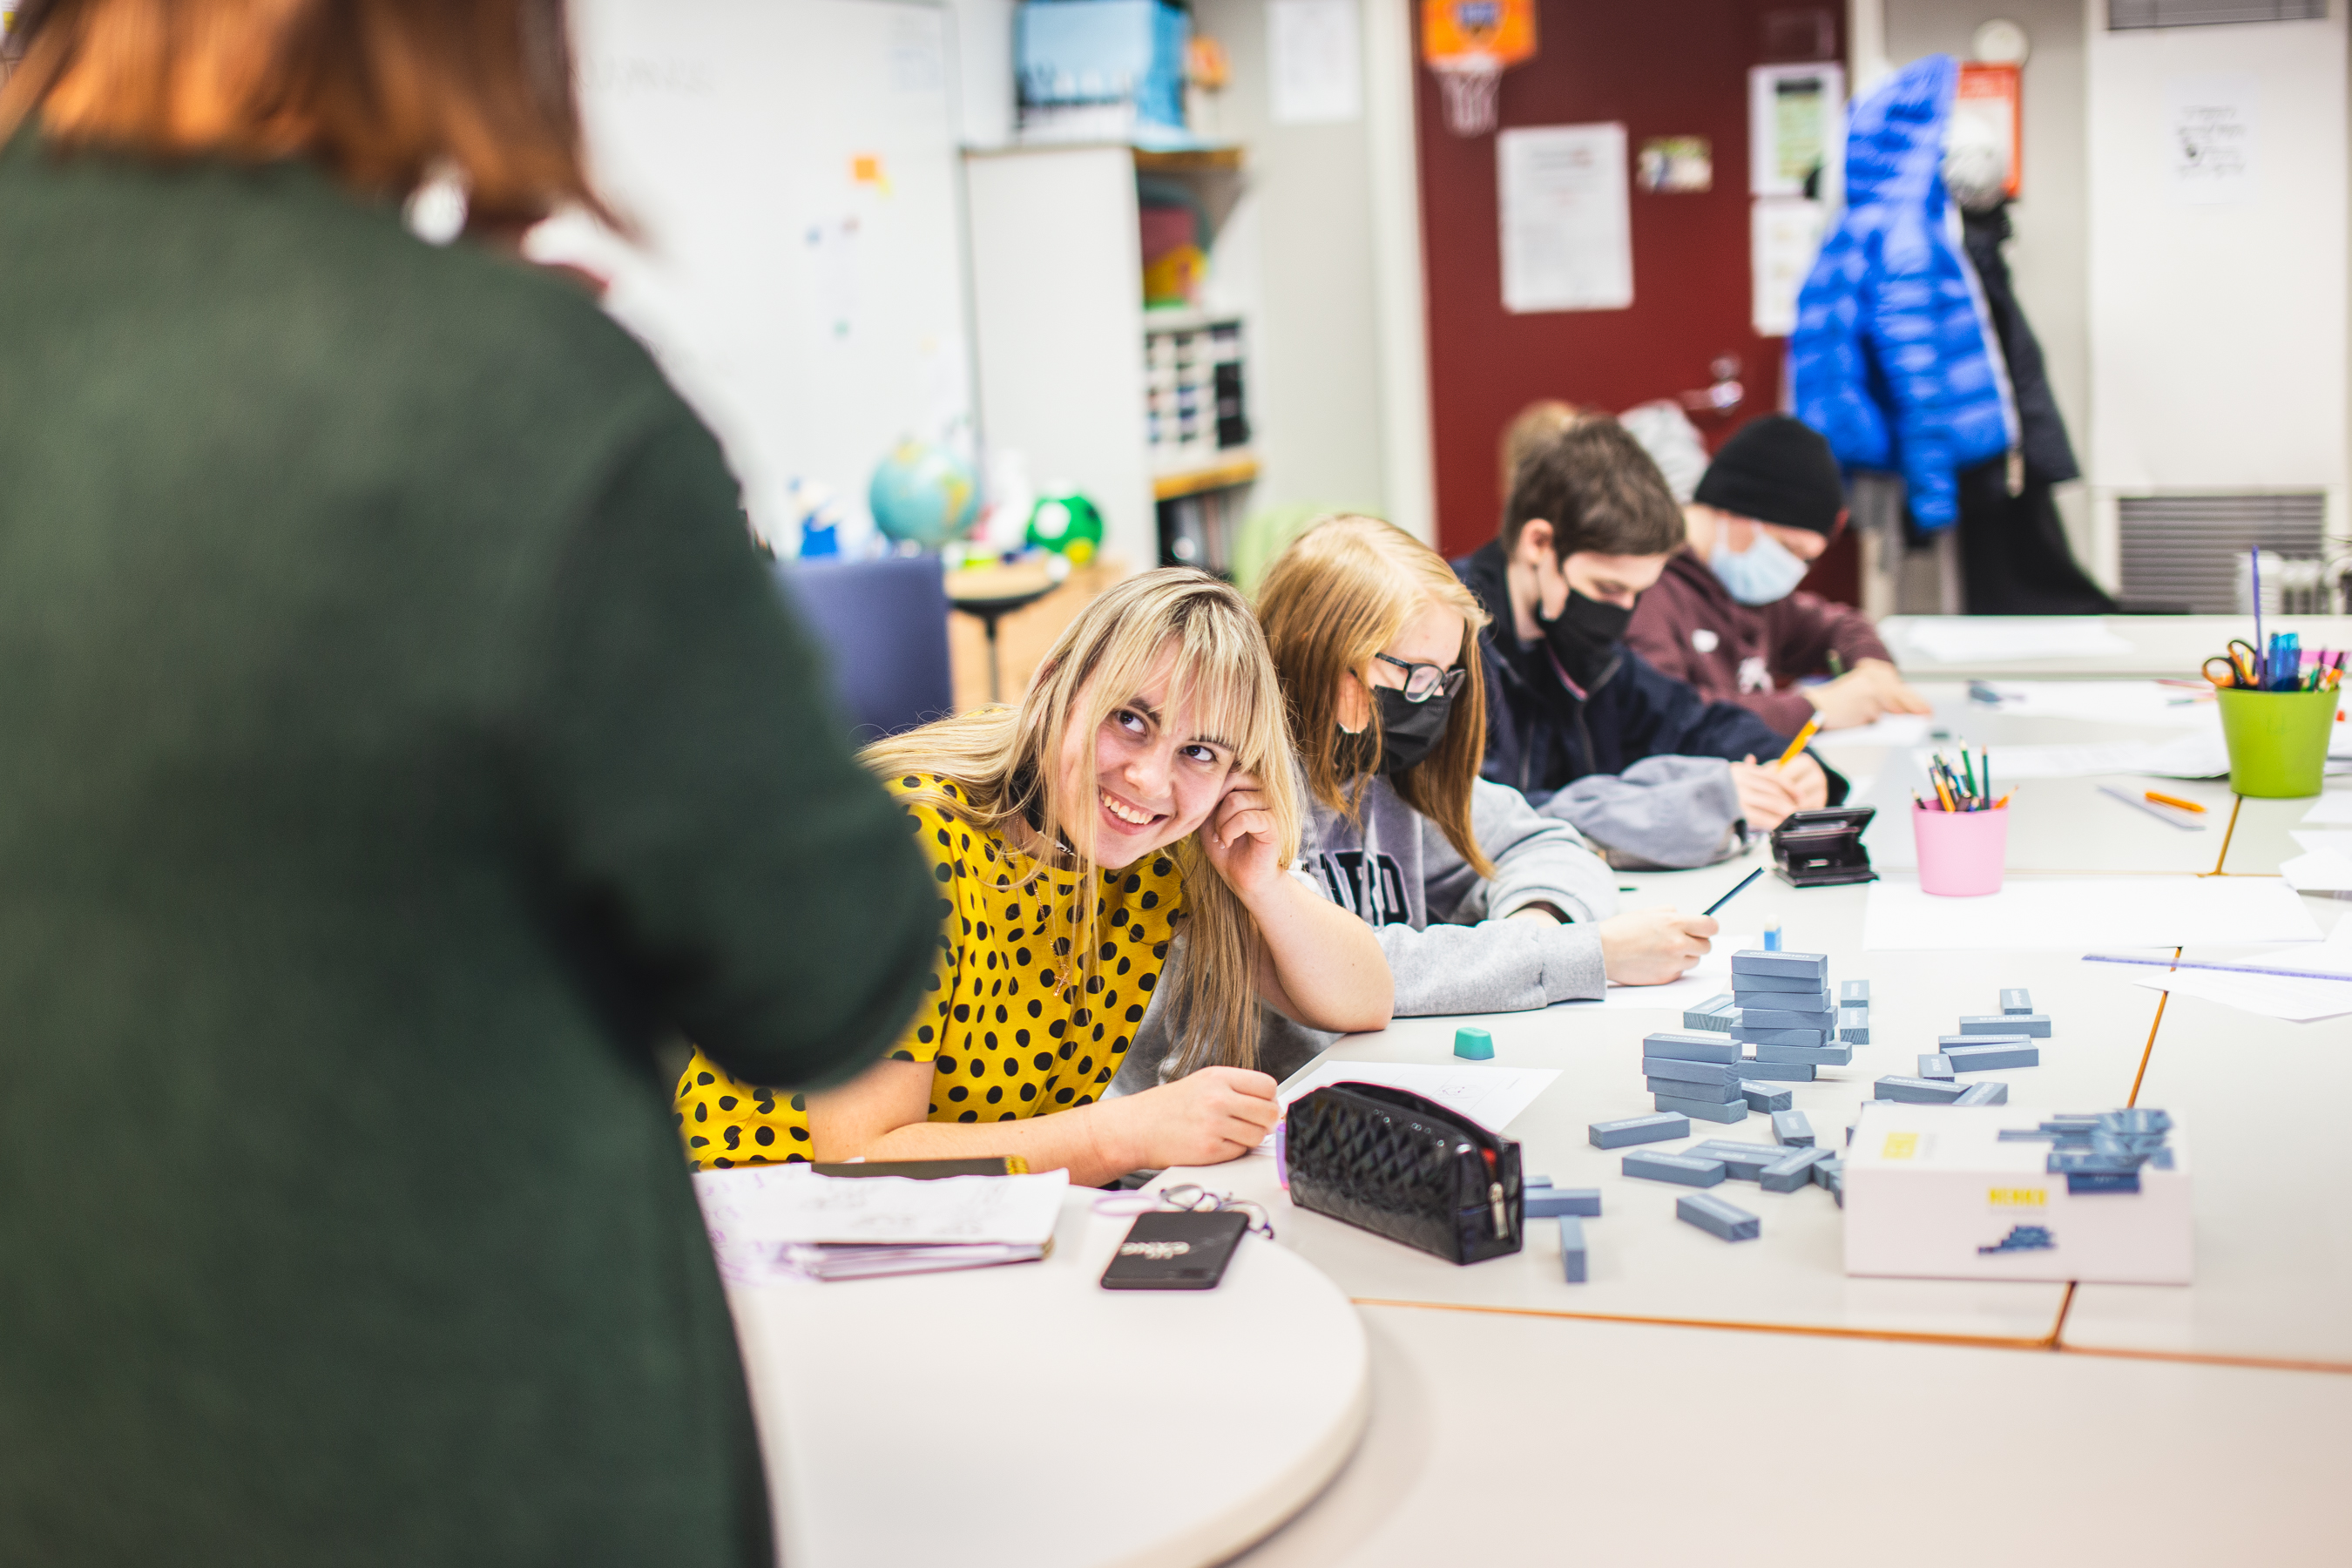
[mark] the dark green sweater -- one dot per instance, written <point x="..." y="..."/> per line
<point x="399" y="741"/>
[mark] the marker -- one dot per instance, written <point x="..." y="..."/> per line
<point x="1813" y="727"/>
<point x="2142" y="805"/>
<point x="2162" y="799"/>
<point x="1736" y="891"/>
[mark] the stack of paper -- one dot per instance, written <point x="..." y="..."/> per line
<point x="2325" y="867"/>
<point x="2300" y="997"/>
<point x="772" y="1223"/>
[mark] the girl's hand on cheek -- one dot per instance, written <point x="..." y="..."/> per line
<point x="1239" y="837"/>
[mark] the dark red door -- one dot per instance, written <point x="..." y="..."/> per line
<point x="1663" y="69"/>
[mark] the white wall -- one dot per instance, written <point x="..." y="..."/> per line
<point x="2218" y="332"/>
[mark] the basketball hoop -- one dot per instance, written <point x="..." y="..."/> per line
<point x="1468" y="45"/>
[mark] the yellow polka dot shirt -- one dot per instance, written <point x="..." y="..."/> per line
<point x="1012" y="1026"/>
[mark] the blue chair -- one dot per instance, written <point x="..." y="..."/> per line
<point x="884" y="623"/>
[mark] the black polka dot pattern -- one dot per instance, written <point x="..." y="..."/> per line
<point x="1005" y="957"/>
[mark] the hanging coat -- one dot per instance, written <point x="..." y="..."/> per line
<point x="1892" y="358"/>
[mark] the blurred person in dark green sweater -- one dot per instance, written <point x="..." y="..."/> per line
<point x="399" y="742"/>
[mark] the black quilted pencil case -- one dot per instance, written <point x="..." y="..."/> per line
<point x="1406" y="1168"/>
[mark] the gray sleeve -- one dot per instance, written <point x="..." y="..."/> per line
<point x="1497" y="966"/>
<point x="1662" y="812"/>
<point x="1539" y="859"/>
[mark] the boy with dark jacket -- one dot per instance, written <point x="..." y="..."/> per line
<point x="1728" y="615"/>
<point x="1579" y="722"/>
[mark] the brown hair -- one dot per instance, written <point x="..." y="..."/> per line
<point x="380" y="91"/>
<point x="1598" y="490"/>
<point x="1533" y="428"/>
<point x="1332" y="600"/>
<point x="1003" y="763"/>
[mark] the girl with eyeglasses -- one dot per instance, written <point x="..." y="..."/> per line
<point x="1480" y="904"/>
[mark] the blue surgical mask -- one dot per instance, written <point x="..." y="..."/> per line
<point x="1763" y="573"/>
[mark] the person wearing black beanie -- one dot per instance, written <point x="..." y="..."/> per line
<point x="1728" y="615"/>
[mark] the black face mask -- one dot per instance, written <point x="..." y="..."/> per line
<point x="1409" y="731"/>
<point x="1584" y="637"/>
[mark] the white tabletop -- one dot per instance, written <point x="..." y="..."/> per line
<point x="1521" y="1440"/>
<point x="1026" y="1415"/>
<point x="2151" y="645"/>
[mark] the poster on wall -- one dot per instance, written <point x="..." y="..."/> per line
<point x="2209" y="139"/>
<point x="1784" y="234"/>
<point x="1796" y="129"/>
<point x="1566" y="231"/>
<point x="1314" y="62"/>
<point x="1987" y="116"/>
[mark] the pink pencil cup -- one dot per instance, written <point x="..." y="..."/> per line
<point x="1961" y="852"/>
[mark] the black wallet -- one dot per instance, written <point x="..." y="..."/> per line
<point x="1176" y="1250"/>
<point x="1406" y="1168"/>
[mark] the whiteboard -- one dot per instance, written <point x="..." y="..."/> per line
<point x="792" y="167"/>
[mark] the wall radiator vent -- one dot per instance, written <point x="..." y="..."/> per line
<point x="2126" y="15"/>
<point x="2187" y="551"/>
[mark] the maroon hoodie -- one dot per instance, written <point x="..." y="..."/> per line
<point x="1690" y="627"/>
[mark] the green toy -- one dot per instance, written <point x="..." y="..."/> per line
<point x="1069" y="524"/>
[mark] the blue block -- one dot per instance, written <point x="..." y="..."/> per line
<point x="1705" y="1110"/>
<point x="1535" y="1181"/>
<point x="1793" y="1169"/>
<point x="1716" y="1013"/>
<point x="1723" y="1072"/>
<point x="1813" y="966"/>
<point x="1716" y="1217"/>
<point x="1986" y="1094"/>
<point x="1716" y="1093"/>
<point x="1637" y="1130"/>
<point x="1653" y="1166"/>
<point x="1690" y="1047"/>
<point x="1853" y="1025"/>
<point x="1741" y="1162"/>
<point x="1545" y="1203"/>
<point x="1775" y="1072"/>
<point x="1992" y="1058"/>
<point x="1778" y="986"/>
<point x="1808" y="1039"/>
<point x="2036" y="1024"/>
<point x="2017" y="1001"/>
<point x="1783" y="1002"/>
<point x="1792" y="1129"/>
<point x="1917" y="1090"/>
<point x="1938" y="1066"/>
<point x="1945" y="1042"/>
<point x="1571" y="1248"/>
<point x="1764" y="1097"/>
<point x="1817" y="1056"/>
<point x="1854" y="993"/>
<point x="1825" y="1019"/>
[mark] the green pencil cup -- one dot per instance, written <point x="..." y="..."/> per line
<point x="2278" y="741"/>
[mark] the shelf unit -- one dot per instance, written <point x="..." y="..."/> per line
<point x="1145" y="410"/>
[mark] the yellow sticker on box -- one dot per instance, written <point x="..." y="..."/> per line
<point x="2017" y="1197"/>
<point x="1900" y="1146"/>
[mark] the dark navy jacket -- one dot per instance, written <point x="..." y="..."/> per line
<point x="1540" y="736"/>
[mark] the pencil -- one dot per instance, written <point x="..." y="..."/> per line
<point x="2162" y="799"/>
<point x="1813" y="727"/>
<point x="1736" y="891"/>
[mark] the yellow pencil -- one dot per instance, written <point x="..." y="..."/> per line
<point x="1813" y="727"/>
<point x="2162" y="799"/>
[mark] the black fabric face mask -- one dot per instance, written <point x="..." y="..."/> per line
<point x="1409" y="731"/>
<point x="1585" y="636"/>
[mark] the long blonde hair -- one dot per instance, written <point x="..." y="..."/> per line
<point x="1004" y="766"/>
<point x="1334" y="599"/>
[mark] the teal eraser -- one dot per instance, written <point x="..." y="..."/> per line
<point x="1474" y="1045"/>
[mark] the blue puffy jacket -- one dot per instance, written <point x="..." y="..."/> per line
<point x="1891" y="359"/>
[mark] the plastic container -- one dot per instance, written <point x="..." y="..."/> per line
<point x="1961" y="852"/>
<point x="2278" y="741"/>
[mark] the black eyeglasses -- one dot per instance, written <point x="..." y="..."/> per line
<point x="1424" y="682"/>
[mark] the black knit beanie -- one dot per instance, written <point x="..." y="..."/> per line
<point x="1778" y="470"/>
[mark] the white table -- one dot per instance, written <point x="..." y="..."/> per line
<point x="1023" y="1416"/>
<point x="2154" y="645"/>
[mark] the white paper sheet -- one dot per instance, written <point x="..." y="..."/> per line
<point x="2196" y="754"/>
<point x="2103" y="702"/>
<point x="1488" y="1094"/>
<point x="2331" y="809"/>
<point x="2341" y="843"/>
<point x="1784" y="235"/>
<point x="2087" y="914"/>
<point x="2296" y="1001"/>
<point x="1314" y="61"/>
<point x="1567" y="230"/>
<point x="2318" y="871"/>
<point x="1965" y="640"/>
<point x="1893" y="729"/>
<point x="792" y="1202"/>
<point x="1710" y="976"/>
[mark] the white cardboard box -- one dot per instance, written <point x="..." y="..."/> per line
<point x="1931" y="1192"/>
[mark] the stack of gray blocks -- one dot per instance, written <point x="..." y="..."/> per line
<point x="1787" y="1013"/>
<point x="1694" y="1075"/>
<point x="1988" y="1042"/>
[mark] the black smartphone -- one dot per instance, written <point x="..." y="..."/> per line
<point x="1175" y="1250"/>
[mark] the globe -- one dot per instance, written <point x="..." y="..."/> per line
<point x="1068" y="524"/>
<point x="922" y="496"/>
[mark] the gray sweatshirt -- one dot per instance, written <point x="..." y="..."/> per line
<point x="1449" y="945"/>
